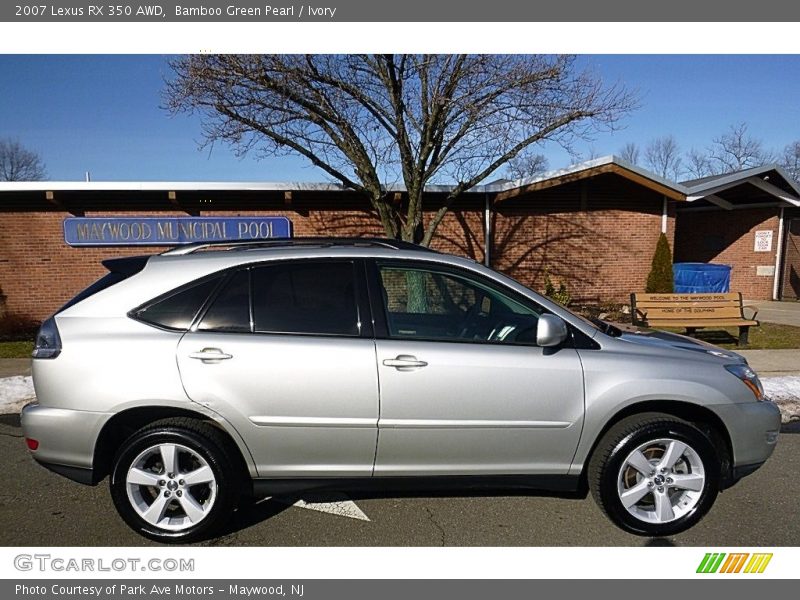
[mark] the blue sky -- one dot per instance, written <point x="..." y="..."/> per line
<point x="103" y="113"/>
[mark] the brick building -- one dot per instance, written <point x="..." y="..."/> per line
<point x="749" y="220"/>
<point x="593" y="226"/>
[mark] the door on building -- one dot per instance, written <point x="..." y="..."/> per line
<point x="791" y="266"/>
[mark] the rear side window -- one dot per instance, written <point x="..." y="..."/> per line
<point x="106" y="281"/>
<point x="178" y="310"/>
<point x="230" y="310"/>
<point x="119" y="270"/>
<point x="309" y="298"/>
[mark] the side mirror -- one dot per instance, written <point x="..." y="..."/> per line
<point x="550" y="331"/>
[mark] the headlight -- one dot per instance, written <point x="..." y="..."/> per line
<point x="749" y="378"/>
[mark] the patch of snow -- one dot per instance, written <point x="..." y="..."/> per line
<point x="785" y="392"/>
<point x="15" y="392"/>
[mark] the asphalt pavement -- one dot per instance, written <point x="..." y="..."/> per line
<point x="39" y="508"/>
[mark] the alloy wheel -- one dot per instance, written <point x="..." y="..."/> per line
<point x="171" y="486"/>
<point x="661" y="481"/>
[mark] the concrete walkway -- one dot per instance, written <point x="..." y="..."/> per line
<point x="784" y="313"/>
<point x="773" y="363"/>
<point x="15" y="366"/>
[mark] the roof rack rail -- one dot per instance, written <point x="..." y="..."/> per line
<point x="296" y="241"/>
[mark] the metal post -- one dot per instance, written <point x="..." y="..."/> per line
<point x="487" y="225"/>
<point x="778" y="258"/>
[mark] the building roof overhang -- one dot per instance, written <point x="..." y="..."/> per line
<point x="774" y="186"/>
<point x="502" y="189"/>
<point x="768" y="185"/>
<point x="587" y="170"/>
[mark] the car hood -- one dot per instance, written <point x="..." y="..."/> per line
<point x="675" y="341"/>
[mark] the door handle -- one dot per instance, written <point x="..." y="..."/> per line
<point x="209" y="354"/>
<point x="404" y="361"/>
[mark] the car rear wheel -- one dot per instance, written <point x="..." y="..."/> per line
<point x="174" y="481"/>
<point x="654" y="474"/>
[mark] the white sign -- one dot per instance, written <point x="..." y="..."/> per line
<point x="765" y="271"/>
<point x="763" y="241"/>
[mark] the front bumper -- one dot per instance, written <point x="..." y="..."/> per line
<point x="753" y="428"/>
<point x="66" y="439"/>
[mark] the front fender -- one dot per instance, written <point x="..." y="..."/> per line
<point x="608" y="395"/>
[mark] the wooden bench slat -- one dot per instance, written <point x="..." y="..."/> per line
<point x="701" y="323"/>
<point x="687" y="297"/>
<point x="691" y="312"/>
<point x="720" y="304"/>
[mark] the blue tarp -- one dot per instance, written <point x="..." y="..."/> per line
<point x="701" y="278"/>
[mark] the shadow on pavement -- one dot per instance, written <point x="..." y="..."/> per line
<point x="10" y="420"/>
<point x="252" y="511"/>
<point x="793" y="427"/>
<point x="660" y="543"/>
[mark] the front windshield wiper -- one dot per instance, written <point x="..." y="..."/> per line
<point x="606" y="328"/>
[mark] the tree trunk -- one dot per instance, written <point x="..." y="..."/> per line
<point x="417" y="292"/>
<point x="413" y="231"/>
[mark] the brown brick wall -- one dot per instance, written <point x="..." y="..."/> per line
<point x="790" y="283"/>
<point x="599" y="241"/>
<point x="596" y="236"/>
<point x="727" y="237"/>
<point x="39" y="272"/>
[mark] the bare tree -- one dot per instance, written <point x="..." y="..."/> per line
<point x="369" y="121"/>
<point x="790" y="159"/>
<point x="662" y="156"/>
<point x="526" y="164"/>
<point x="590" y="154"/>
<point x="631" y="153"/>
<point x="732" y="151"/>
<point x="17" y="163"/>
<point x="737" y="150"/>
<point x="698" y="164"/>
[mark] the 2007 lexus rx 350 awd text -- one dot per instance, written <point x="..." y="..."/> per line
<point x="209" y="372"/>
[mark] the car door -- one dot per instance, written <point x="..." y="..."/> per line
<point x="284" y="352"/>
<point x="464" y="389"/>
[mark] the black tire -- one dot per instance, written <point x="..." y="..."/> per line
<point x="206" y="441"/>
<point x="620" y="441"/>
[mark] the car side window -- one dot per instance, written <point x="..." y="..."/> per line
<point x="315" y="298"/>
<point x="431" y="304"/>
<point x="178" y="309"/>
<point x="230" y="310"/>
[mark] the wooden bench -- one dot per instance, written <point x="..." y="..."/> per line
<point x="693" y="311"/>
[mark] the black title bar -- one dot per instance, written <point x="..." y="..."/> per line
<point x="403" y="10"/>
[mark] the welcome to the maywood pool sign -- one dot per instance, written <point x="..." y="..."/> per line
<point x="170" y="231"/>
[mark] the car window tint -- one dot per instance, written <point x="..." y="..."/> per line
<point x="178" y="310"/>
<point x="425" y="292"/>
<point x="438" y="305"/>
<point x="310" y="298"/>
<point x="230" y="310"/>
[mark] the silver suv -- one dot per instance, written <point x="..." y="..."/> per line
<point x="195" y="376"/>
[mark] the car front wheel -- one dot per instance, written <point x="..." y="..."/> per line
<point x="654" y="474"/>
<point x="174" y="482"/>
